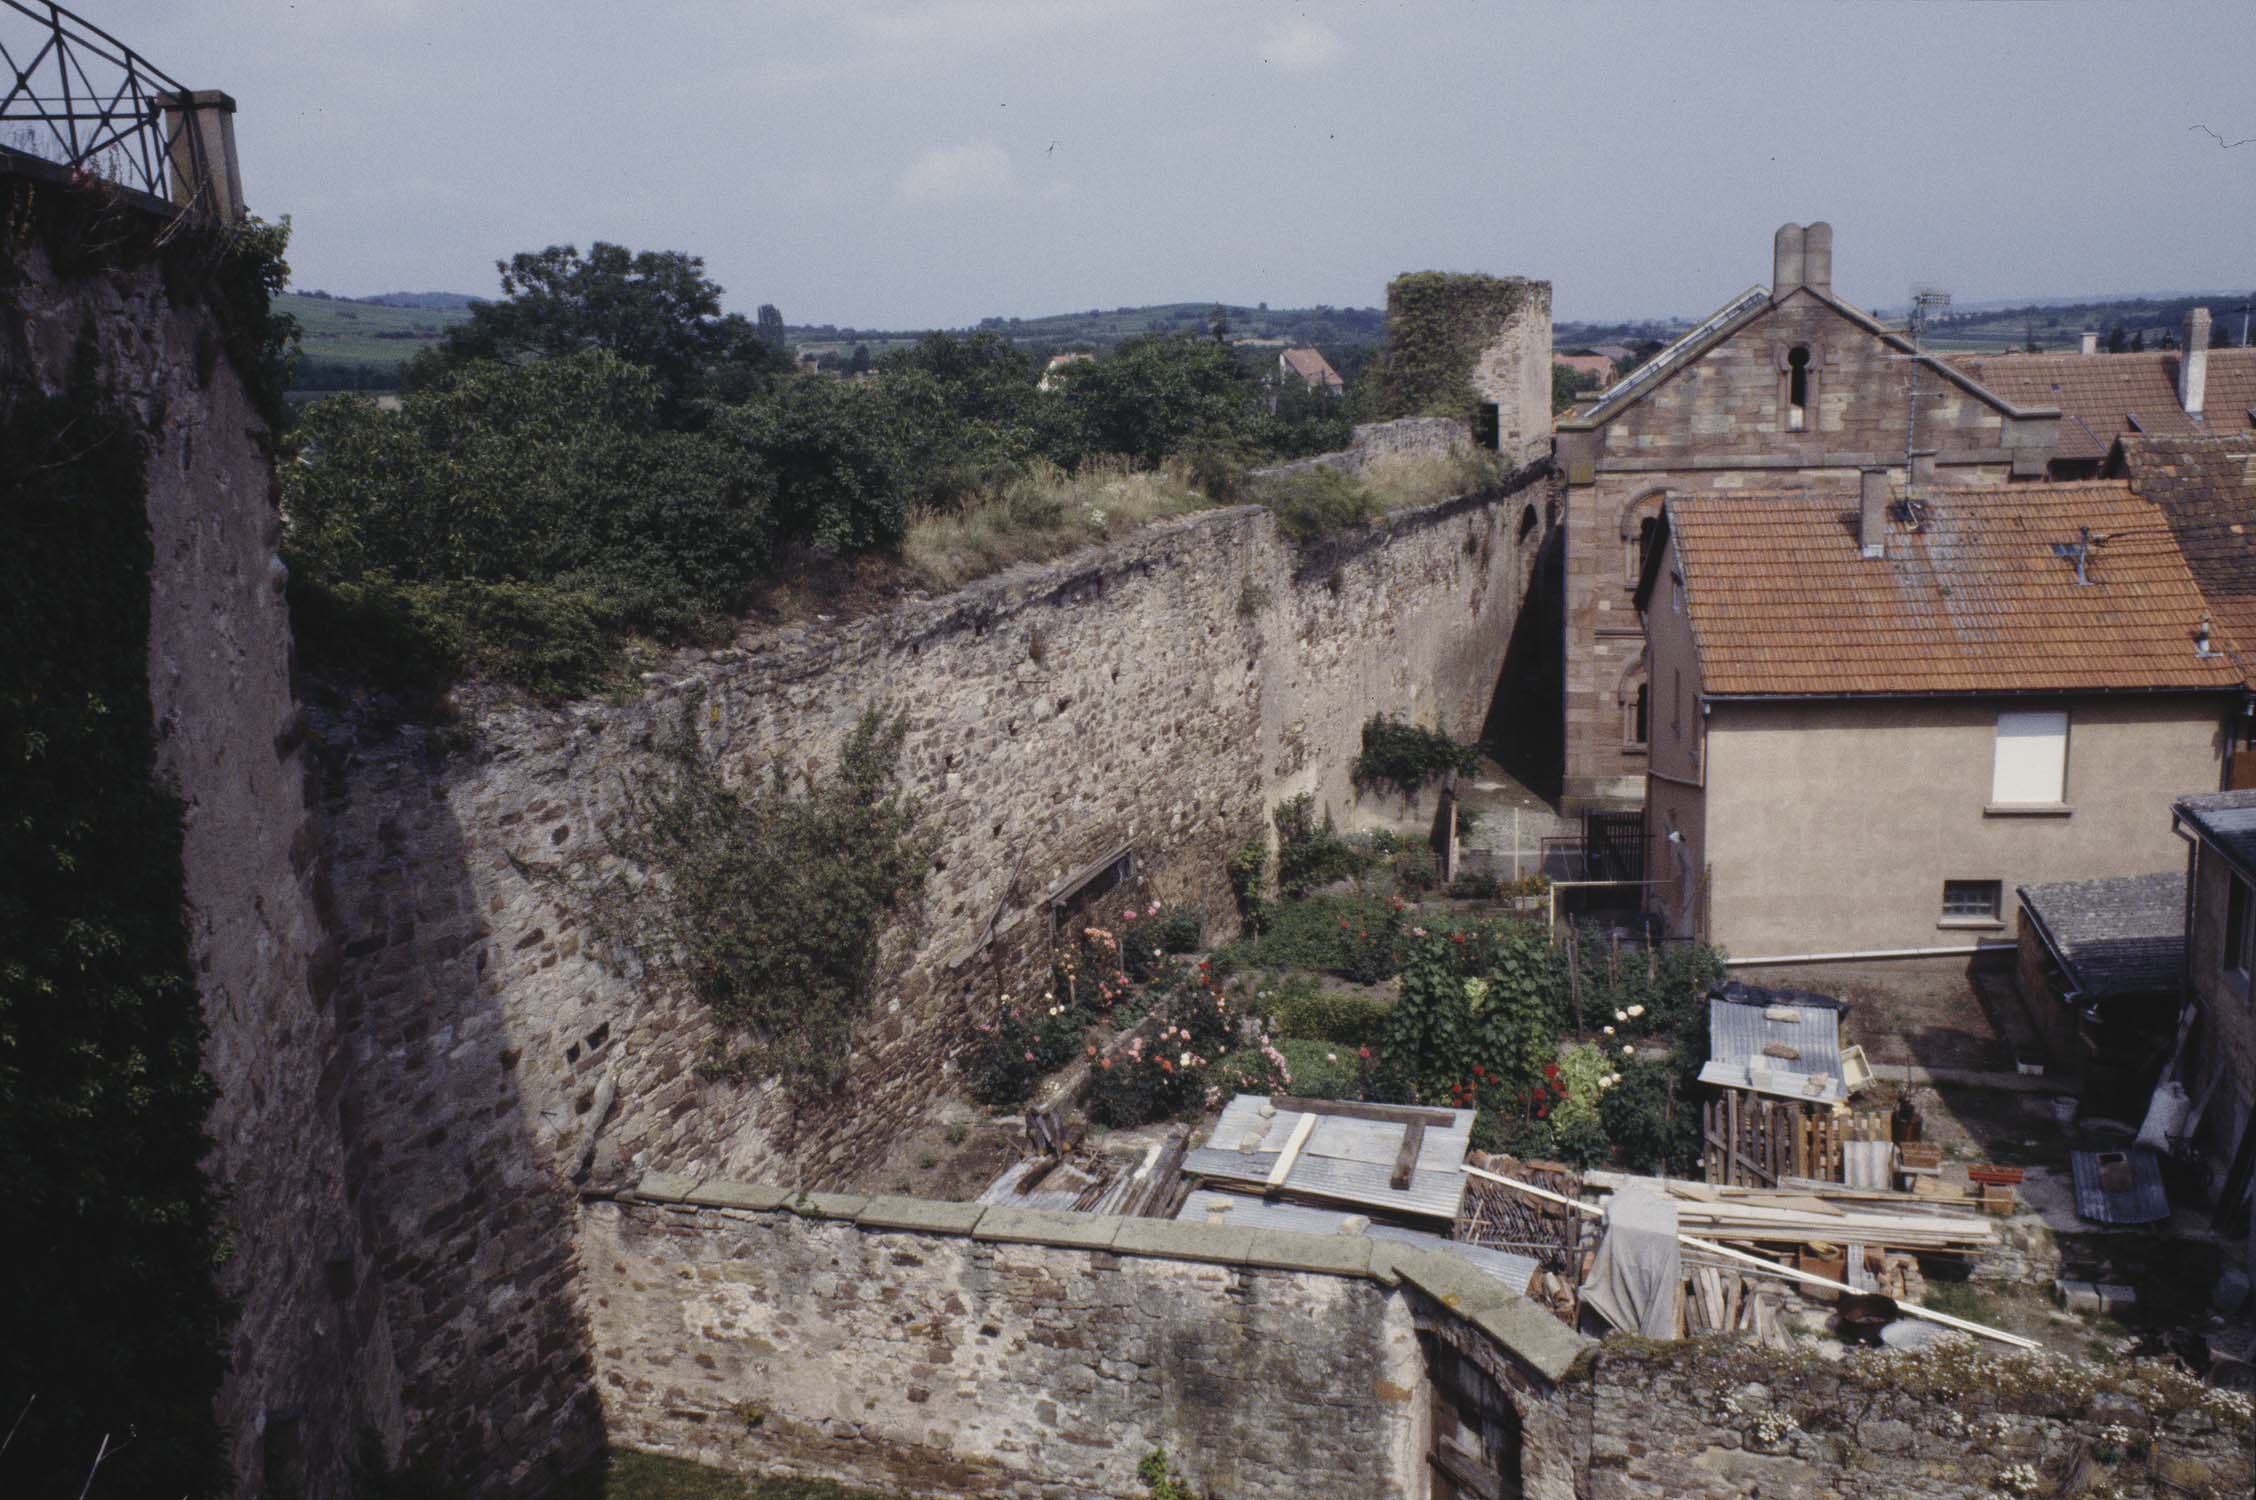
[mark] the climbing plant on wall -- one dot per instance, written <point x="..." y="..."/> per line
<point x="115" y="1331"/>
<point x="1437" y="324"/>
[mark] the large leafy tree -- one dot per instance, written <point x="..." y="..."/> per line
<point x="655" y="308"/>
<point x="1161" y="394"/>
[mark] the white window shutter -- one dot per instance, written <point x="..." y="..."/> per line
<point x="2032" y="758"/>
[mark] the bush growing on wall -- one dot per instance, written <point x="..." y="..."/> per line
<point x="770" y="904"/>
<point x="1406" y="758"/>
<point x="1437" y="324"/>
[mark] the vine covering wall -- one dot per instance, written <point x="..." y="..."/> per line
<point x="1438" y="323"/>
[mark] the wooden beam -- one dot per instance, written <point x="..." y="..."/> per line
<point x="1291" y="1153"/>
<point x="1389" y="1114"/>
<point x="1413" y="1141"/>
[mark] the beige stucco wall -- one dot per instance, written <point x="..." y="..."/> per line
<point x="1831" y="827"/>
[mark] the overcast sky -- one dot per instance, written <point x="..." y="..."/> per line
<point x="888" y="163"/>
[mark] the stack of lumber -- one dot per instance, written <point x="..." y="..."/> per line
<point x="1718" y="1299"/>
<point x="1815" y="1215"/>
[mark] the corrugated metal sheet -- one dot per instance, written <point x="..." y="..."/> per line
<point x="1247" y="1212"/>
<point x="1344" y="1158"/>
<point x="1737" y="1035"/>
<point x="2119" y="1187"/>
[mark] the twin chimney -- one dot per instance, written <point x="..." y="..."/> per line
<point x="1801" y="255"/>
<point x="1872" y="513"/>
<point x="2193" y="362"/>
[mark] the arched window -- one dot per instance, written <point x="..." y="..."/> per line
<point x="1640" y="522"/>
<point x="1635" y="695"/>
<point x="1797" y="388"/>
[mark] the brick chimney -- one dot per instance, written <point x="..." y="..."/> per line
<point x="2091" y="341"/>
<point x="1786" y="260"/>
<point x="1817" y="257"/>
<point x="1872" y="513"/>
<point x="2193" y="362"/>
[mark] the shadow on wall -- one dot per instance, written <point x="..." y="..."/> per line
<point x="1523" y="728"/>
<point x="472" y="1233"/>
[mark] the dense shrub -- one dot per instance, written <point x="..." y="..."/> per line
<point x="1405" y="758"/>
<point x="769" y="902"/>
<point x="1025" y="1042"/>
<point x="1655" y="1130"/>
<point x="1161" y="1070"/>
<point x="1473" y="1016"/>
<point x="1146" y="942"/>
<point x="1315" y="935"/>
<point x="1312" y="853"/>
<point x="1299" y="1007"/>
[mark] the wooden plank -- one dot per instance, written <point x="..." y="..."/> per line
<point x="1413" y="1141"/>
<point x="1390" y="1114"/>
<point x="1285" y="1158"/>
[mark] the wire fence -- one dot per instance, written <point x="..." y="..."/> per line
<point x="78" y="97"/>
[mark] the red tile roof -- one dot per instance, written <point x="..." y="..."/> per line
<point x="2206" y="488"/>
<point x="2099" y="394"/>
<point x="1312" y="367"/>
<point x="1970" y="598"/>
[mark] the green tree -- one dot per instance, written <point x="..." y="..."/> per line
<point x="655" y="308"/>
<point x="1159" y="394"/>
<point x="834" y="465"/>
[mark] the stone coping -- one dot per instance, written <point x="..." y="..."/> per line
<point x="1523" y="1329"/>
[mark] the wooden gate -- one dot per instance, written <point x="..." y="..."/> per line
<point x="1474" y="1453"/>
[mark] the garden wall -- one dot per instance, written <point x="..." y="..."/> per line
<point x="947" y="1348"/>
<point x="1717" y="1419"/>
<point x="1158" y="696"/>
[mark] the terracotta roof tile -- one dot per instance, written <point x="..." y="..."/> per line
<point x="2098" y="394"/>
<point x="1969" y="599"/>
<point x="2206" y="489"/>
<point x="1312" y="367"/>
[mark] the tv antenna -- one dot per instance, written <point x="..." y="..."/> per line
<point x="1926" y="302"/>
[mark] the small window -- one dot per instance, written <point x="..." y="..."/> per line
<point x="2031" y="768"/>
<point x="1640" y="548"/>
<point x="1636" y="717"/>
<point x="2238" y="901"/>
<point x="1488" y="426"/>
<point x="1797" y="388"/>
<point x="1971" y="900"/>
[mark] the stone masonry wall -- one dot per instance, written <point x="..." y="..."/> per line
<point x="1160" y="695"/>
<point x="311" y="1355"/>
<point x="954" y="1349"/>
<point x="1715" y="1420"/>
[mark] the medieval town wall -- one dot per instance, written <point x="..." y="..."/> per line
<point x="947" y="1348"/>
<point x="1157" y="697"/>
<point x="310" y="1353"/>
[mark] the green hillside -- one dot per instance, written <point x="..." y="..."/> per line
<point x="1103" y="327"/>
<point x="359" y="345"/>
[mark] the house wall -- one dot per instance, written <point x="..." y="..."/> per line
<point x="2223" y="1056"/>
<point x="1831" y="826"/>
<point x="1720" y="425"/>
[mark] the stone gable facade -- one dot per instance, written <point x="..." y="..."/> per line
<point x="1789" y="390"/>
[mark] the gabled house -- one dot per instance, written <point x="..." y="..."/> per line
<point x="1872" y="719"/>
<point x="2217" y="1065"/>
<point x="1312" y="370"/>
<point x="1784" y="389"/>
<point x="2106" y="398"/>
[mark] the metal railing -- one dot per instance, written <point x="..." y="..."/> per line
<point x="80" y="98"/>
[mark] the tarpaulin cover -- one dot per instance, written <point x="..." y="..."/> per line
<point x="1637" y="1278"/>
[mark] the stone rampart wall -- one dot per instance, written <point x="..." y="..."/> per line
<point x="311" y="1359"/>
<point x="1158" y="696"/>
<point x="1715" y="1420"/>
<point x="946" y="1348"/>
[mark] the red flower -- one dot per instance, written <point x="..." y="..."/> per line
<point x="1550" y="1070"/>
<point x="1364" y="1053"/>
<point x="1459" y="938"/>
<point x="1543" y="1112"/>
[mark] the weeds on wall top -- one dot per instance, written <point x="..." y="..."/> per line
<point x="770" y="902"/>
